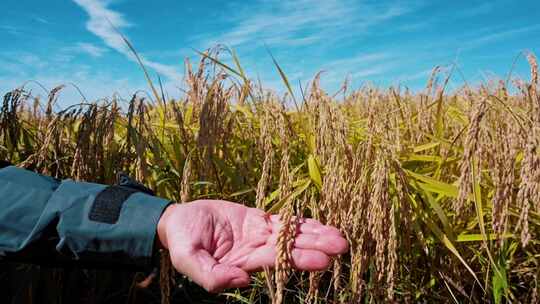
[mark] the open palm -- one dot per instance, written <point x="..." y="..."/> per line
<point x="217" y="243"/>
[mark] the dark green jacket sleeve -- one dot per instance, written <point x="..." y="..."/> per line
<point x="43" y="220"/>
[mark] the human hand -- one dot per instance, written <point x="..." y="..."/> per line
<point x="217" y="243"/>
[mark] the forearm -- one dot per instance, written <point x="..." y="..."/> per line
<point x="46" y="221"/>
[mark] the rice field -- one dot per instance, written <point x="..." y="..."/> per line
<point x="438" y="192"/>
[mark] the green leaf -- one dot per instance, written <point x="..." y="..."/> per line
<point x="139" y="61"/>
<point x="285" y="80"/>
<point x="271" y="197"/>
<point x="446" y="241"/>
<point x="188" y="115"/>
<point x="241" y="192"/>
<point x="433" y="185"/>
<point x="314" y="171"/>
<point x="442" y="237"/>
<point x="220" y="63"/>
<point x="477" y="195"/>
<point x="458" y="115"/>
<point x="237" y="297"/>
<point x="425" y="147"/>
<point x="244" y="110"/>
<point x="423" y="158"/>
<point x="499" y="281"/>
<point x="275" y="194"/>
<point x="442" y="216"/>
<point x="299" y="190"/>
<point x="476" y="237"/>
<point x="203" y="183"/>
<point x="237" y="63"/>
<point x="311" y="142"/>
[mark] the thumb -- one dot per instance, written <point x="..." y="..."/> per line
<point x="204" y="270"/>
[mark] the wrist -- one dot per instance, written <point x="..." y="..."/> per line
<point x="161" y="240"/>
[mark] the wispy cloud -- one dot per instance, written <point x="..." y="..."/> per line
<point x="415" y="26"/>
<point x="41" y="20"/>
<point x="497" y="36"/>
<point x="372" y="71"/>
<point x="30" y="60"/>
<point x="10" y="29"/>
<point x="494" y="36"/>
<point x="415" y="76"/>
<point x="13" y="69"/>
<point x="23" y="60"/>
<point x="24" y="68"/>
<point x="357" y="67"/>
<point x="90" y="49"/>
<point x="359" y="59"/>
<point x="101" y="22"/>
<point x="477" y="10"/>
<point x="302" y="32"/>
<point x="303" y="22"/>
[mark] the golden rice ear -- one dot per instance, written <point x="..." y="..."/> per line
<point x="534" y="73"/>
<point x="287" y="233"/>
<point x="265" y="145"/>
<point x="470" y="156"/>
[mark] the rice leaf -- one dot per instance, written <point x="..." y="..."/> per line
<point x="424" y="147"/>
<point x="299" y="190"/>
<point x="314" y="171"/>
<point x="476" y="237"/>
<point x="434" y="185"/>
<point x="284" y="79"/>
<point x="445" y="240"/>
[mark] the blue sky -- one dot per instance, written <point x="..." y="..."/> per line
<point x="380" y="42"/>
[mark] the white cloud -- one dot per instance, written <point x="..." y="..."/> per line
<point x="303" y="22"/>
<point x="499" y="35"/>
<point x="41" y="20"/>
<point x="11" y="68"/>
<point x="93" y="84"/>
<point x="359" y="59"/>
<point x="90" y="49"/>
<point x="411" y="77"/>
<point x="358" y="67"/>
<point x="22" y="60"/>
<point x="34" y="71"/>
<point x="371" y="71"/>
<point x="415" y="26"/>
<point x="475" y="11"/>
<point x="101" y="22"/>
<point x="29" y="59"/>
<point x="302" y="32"/>
<point x="10" y="29"/>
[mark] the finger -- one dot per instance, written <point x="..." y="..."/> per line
<point x="303" y="259"/>
<point x="204" y="270"/>
<point x="330" y="244"/>
<point x="327" y="243"/>
<point x="307" y="225"/>
<point x="310" y="260"/>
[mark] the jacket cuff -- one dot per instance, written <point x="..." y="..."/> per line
<point x="107" y="225"/>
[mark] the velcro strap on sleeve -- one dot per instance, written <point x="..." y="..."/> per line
<point x="108" y="204"/>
